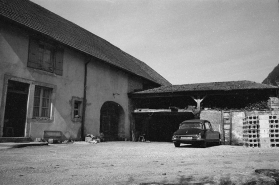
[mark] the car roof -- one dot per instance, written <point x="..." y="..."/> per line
<point x="194" y="121"/>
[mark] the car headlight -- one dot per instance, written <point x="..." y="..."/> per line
<point x="199" y="136"/>
<point x="174" y="137"/>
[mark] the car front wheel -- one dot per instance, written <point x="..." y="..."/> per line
<point x="177" y="144"/>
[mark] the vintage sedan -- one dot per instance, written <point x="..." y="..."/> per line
<point x="196" y="132"/>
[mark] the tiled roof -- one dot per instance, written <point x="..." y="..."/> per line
<point x="213" y="86"/>
<point x="39" y="19"/>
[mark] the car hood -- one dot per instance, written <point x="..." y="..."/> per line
<point x="189" y="131"/>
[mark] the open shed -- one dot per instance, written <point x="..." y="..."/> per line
<point x="236" y="95"/>
<point x="158" y="124"/>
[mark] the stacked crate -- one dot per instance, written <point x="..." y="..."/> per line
<point x="251" y="131"/>
<point x="274" y="130"/>
<point x="261" y="131"/>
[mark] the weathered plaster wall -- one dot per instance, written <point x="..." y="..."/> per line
<point x="237" y="126"/>
<point x="12" y="60"/>
<point x="104" y="83"/>
<point x="14" y="55"/>
<point x="214" y="116"/>
<point x="67" y="86"/>
<point x="134" y="84"/>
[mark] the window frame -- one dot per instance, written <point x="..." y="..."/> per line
<point x="41" y="106"/>
<point x="79" y="109"/>
<point x="52" y="102"/>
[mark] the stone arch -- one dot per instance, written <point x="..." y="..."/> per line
<point x="112" y="121"/>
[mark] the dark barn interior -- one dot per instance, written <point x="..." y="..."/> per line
<point x="159" y="126"/>
<point x="237" y="100"/>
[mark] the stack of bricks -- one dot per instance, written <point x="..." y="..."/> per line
<point x="251" y="131"/>
<point x="261" y="131"/>
<point x="274" y="130"/>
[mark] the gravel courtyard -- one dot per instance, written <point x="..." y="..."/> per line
<point x="135" y="163"/>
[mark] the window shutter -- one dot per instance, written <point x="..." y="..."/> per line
<point x="34" y="56"/>
<point x="59" y="62"/>
<point x="48" y="59"/>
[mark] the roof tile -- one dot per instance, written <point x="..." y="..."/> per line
<point x="213" y="86"/>
<point x="42" y="20"/>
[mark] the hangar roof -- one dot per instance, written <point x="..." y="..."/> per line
<point x="207" y="87"/>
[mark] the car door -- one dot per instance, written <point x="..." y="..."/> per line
<point x="210" y="134"/>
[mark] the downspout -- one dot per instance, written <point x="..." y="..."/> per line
<point x="84" y="101"/>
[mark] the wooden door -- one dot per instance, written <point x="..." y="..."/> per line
<point x="109" y="121"/>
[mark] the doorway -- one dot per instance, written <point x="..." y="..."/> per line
<point x="15" y="109"/>
<point x="111" y="121"/>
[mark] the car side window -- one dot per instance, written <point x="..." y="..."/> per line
<point x="207" y="126"/>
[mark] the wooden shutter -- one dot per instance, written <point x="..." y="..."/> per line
<point x="34" y="55"/>
<point x="48" y="59"/>
<point x="59" y="62"/>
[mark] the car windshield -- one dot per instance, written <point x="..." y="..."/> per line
<point x="190" y="125"/>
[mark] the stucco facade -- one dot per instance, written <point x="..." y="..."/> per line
<point x="105" y="83"/>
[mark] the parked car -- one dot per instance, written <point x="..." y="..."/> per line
<point x="196" y="132"/>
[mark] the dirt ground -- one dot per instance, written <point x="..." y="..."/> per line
<point x="135" y="163"/>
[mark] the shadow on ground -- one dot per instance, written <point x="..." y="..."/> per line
<point x="196" y="146"/>
<point x="262" y="177"/>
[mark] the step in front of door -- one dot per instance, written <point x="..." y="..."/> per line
<point x="15" y="139"/>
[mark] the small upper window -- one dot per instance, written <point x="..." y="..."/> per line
<point x="76" y="109"/>
<point x="45" y="56"/>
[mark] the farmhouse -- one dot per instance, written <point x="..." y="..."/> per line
<point x="56" y="76"/>
<point x="58" y="79"/>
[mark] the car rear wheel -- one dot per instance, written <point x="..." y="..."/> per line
<point x="219" y="141"/>
<point x="204" y="144"/>
<point x="177" y="144"/>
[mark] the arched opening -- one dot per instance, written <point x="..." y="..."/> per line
<point x="112" y="121"/>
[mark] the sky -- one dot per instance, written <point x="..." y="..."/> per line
<point x="185" y="41"/>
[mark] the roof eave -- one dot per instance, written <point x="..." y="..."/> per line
<point x="29" y="29"/>
<point x="199" y="92"/>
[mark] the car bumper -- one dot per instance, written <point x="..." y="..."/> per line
<point x="187" y="141"/>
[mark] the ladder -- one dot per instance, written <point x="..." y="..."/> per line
<point x="227" y="127"/>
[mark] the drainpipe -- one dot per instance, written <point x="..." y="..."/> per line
<point x="84" y="101"/>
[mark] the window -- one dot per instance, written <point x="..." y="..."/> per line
<point x="76" y="109"/>
<point x="42" y="102"/>
<point x="207" y="126"/>
<point x="191" y="125"/>
<point x="45" y="56"/>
